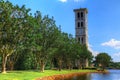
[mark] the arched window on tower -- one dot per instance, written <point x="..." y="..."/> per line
<point x="79" y="39"/>
<point x="82" y="40"/>
<point x="78" y="15"/>
<point x="81" y="15"/>
<point x="78" y="24"/>
<point x="81" y="24"/>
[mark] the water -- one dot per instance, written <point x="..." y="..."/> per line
<point x="113" y="75"/>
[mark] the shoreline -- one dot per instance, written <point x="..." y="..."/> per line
<point x="67" y="76"/>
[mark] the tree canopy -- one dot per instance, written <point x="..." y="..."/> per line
<point x="103" y="60"/>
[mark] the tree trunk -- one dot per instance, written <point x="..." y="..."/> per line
<point x="42" y="66"/>
<point x="70" y="66"/>
<point x="60" y="65"/>
<point x="51" y="65"/>
<point x="79" y="64"/>
<point x="86" y="63"/>
<point x="36" y="65"/>
<point x="103" y="67"/>
<point x="4" y="60"/>
<point x="11" y="65"/>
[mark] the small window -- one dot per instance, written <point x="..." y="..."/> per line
<point x="78" y="15"/>
<point x="82" y="40"/>
<point x="78" y="39"/>
<point x="78" y="24"/>
<point x="81" y="14"/>
<point x="81" y="24"/>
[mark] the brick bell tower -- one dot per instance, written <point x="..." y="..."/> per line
<point x="81" y="28"/>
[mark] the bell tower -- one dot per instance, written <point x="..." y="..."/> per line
<point x="81" y="26"/>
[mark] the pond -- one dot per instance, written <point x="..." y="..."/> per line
<point x="112" y="75"/>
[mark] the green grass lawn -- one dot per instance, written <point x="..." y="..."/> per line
<point x="32" y="75"/>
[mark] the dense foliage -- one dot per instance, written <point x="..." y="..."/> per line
<point x="114" y="65"/>
<point x="30" y="41"/>
<point x="103" y="60"/>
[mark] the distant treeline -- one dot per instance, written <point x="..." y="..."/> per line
<point x="114" y="65"/>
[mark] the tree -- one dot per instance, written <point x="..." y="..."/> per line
<point x="65" y="51"/>
<point x="103" y="60"/>
<point x="49" y="35"/>
<point x="70" y="53"/>
<point x="12" y="19"/>
<point x="6" y="50"/>
<point x="60" y="54"/>
<point x="85" y="56"/>
<point x="45" y="34"/>
<point x="6" y="43"/>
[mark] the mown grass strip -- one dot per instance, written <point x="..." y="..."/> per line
<point x="32" y="75"/>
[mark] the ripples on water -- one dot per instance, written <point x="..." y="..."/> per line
<point x="113" y="75"/>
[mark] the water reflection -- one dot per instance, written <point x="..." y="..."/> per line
<point x="84" y="77"/>
<point x="113" y="75"/>
<point x="81" y="77"/>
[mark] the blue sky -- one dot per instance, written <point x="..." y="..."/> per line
<point x="103" y="20"/>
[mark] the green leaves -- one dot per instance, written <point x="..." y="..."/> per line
<point x="38" y="36"/>
<point x="6" y="49"/>
<point x="103" y="59"/>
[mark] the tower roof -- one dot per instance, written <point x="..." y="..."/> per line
<point x="81" y="9"/>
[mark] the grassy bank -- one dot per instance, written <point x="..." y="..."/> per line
<point x="32" y="75"/>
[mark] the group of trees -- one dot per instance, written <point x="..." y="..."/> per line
<point x="30" y="41"/>
<point x="114" y="65"/>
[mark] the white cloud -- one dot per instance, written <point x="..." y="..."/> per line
<point x="115" y="56"/>
<point x="112" y="43"/>
<point x="93" y="52"/>
<point x="63" y="1"/>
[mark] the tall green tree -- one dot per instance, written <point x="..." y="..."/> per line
<point x="45" y="38"/>
<point x="85" y="56"/>
<point x="103" y="60"/>
<point x="63" y="49"/>
<point x="69" y="52"/>
<point x="12" y="19"/>
<point x="6" y="32"/>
